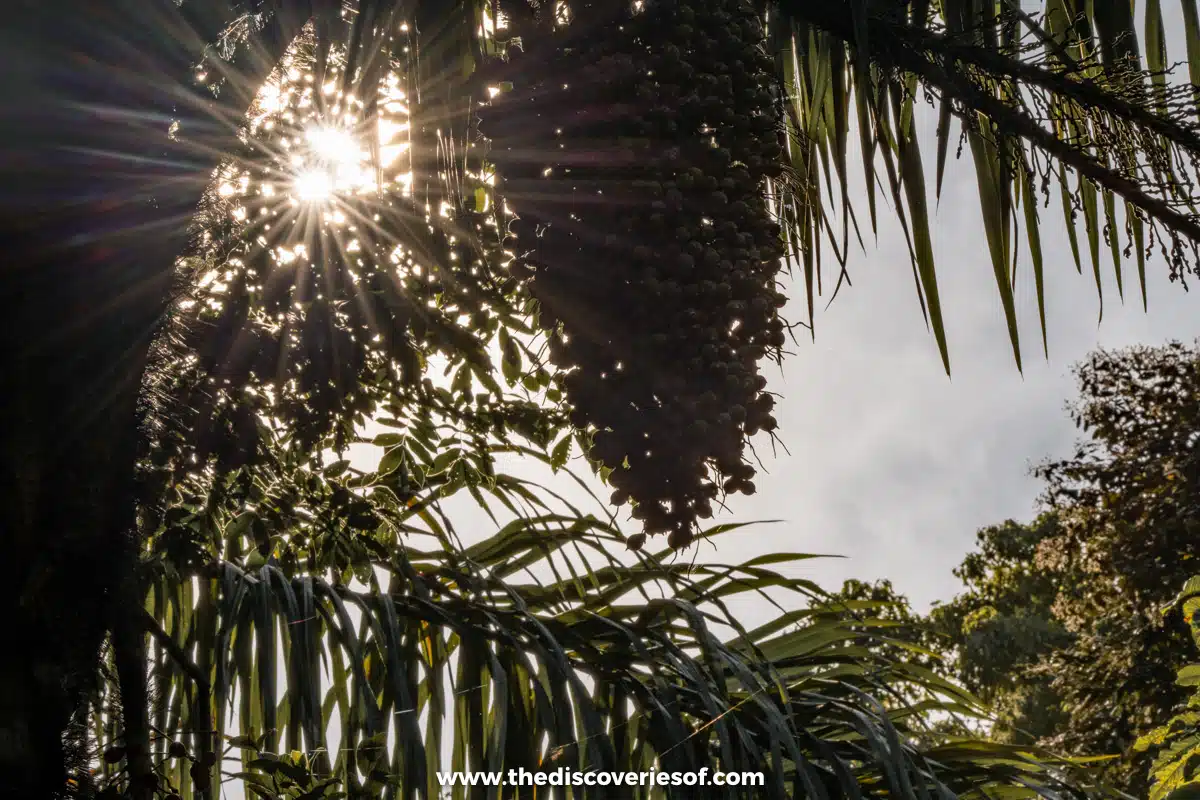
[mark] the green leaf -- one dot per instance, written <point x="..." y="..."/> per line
<point x="510" y="364"/>
<point x="391" y="461"/>
<point x="336" y="468"/>
<point x="387" y="439"/>
<point x="562" y="451"/>
<point x="1188" y="676"/>
<point x="444" y="461"/>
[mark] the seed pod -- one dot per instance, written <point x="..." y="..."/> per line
<point x="679" y="538"/>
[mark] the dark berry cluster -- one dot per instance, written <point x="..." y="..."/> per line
<point x="647" y="239"/>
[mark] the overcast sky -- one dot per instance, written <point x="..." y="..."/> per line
<point x="895" y="465"/>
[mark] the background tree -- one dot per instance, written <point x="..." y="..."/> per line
<point x="1060" y="626"/>
<point x="1177" y="743"/>
<point x="1003" y="624"/>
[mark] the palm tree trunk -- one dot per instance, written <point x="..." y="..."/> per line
<point x="95" y="200"/>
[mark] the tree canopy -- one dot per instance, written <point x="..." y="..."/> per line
<point x="1060" y="626"/>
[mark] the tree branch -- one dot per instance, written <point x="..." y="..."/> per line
<point x="1086" y="93"/>
<point x="1027" y="128"/>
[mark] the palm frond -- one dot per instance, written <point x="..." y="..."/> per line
<point x="1061" y="95"/>
<point x="380" y="664"/>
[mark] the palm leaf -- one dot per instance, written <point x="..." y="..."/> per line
<point x="503" y="655"/>
<point x="1059" y="94"/>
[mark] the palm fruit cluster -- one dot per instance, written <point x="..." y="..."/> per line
<point x="647" y="239"/>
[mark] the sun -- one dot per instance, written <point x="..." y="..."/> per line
<point x="335" y="163"/>
<point x="313" y="185"/>
<point x="334" y="145"/>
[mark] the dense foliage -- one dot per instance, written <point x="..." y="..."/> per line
<point x="1176" y="745"/>
<point x="370" y="648"/>
<point x="1059" y="627"/>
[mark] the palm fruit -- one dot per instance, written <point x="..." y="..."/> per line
<point x="647" y="239"/>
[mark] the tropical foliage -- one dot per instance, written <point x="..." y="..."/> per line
<point x="275" y="358"/>
<point x="1177" y="744"/>
<point x="318" y="630"/>
<point x="1059" y="627"/>
<point x="1065" y="99"/>
<point x="377" y="649"/>
<point x="901" y="634"/>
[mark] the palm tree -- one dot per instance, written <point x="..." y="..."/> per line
<point x="534" y="647"/>
<point x="94" y="217"/>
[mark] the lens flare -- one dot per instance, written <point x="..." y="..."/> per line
<point x="333" y="145"/>
<point x="313" y="185"/>
<point x="334" y="163"/>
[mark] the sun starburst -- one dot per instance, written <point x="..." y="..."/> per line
<point x="333" y="162"/>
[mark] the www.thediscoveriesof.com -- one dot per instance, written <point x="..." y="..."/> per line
<point x="565" y="776"/>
